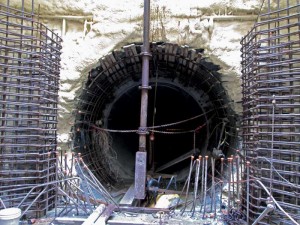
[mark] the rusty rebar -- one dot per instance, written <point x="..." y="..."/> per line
<point x="271" y="109"/>
<point x="30" y="64"/>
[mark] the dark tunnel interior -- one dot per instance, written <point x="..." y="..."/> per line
<point x="171" y="104"/>
<point x="187" y="111"/>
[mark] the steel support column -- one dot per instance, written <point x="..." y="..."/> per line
<point x="140" y="176"/>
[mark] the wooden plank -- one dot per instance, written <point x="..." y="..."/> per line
<point x="192" y="54"/>
<point x="153" y="46"/>
<point x="191" y="62"/>
<point x="69" y="220"/>
<point x="173" y="53"/>
<point x="184" y="54"/>
<point x="134" y="53"/>
<point x="105" y="71"/>
<point x="167" y="51"/>
<point x="116" y="65"/>
<point x="140" y="209"/>
<point x="94" y="215"/>
<point x="133" y="57"/>
<point x="199" y="57"/>
<point x="107" y="64"/>
<point x="112" y="65"/>
<point x="105" y="215"/>
<point x="122" y="222"/>
<point x="165" y="191"/>
<point x="175" y="161"/>
<point x="160" y="52"/>
<point x="128" y="53"/>
<point x="197" y="61"/>
<point x="128" y="198"/>
<point x="103" y="65"/>
<point x="120" y="65"/>
<point x="111" y="61"/>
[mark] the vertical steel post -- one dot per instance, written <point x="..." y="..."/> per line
<point x="248" y="190"/>
<point x="238" y="175"/>
<point x="221" y="183"/>
<point x="141" y="155"/>
<point x="196" y="185"/>
<point x="229" y="182"/>
<point x="188" y="181"/>
<point x="213" y="188"/>
<point x="272" y="145"/>
<point x="205" y="187"/>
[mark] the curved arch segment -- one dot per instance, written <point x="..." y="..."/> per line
<point x="189" y="111"/>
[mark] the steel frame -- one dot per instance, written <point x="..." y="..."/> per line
<point x="29" y="82"/>
<point x="271" y="110"/>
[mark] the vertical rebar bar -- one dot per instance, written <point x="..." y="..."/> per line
<point x="221" y="182"/>
<point x="188" y="183"/>
<point x="238" y="176"/>
<point x="272" y="145"/>
<point x="205" y="186"/>
<point x="248" y="191"/>
<point x="213" y="188"/>
<point x="202" y="182"/>
<point x="198" y="163"/>
<point x="229" y="181"/>
<point x="29" y="58"/>
<point x="271" y="106"/>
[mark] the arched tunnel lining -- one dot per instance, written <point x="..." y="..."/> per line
<point x="187" y="85"/>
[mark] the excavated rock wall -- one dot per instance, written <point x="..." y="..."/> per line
<point x="198" y="24"/>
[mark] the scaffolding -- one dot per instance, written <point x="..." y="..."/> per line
<point x="29" y="82"/>
<point x="271" y="111"/>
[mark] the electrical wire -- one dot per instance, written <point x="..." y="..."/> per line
<point x="151" y="128"/>
<point x="274" y="169"/>
<point x="277" y="204"/>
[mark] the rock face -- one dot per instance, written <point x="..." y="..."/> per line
<point x="107" y="25"/>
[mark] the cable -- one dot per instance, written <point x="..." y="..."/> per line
<point x="152" y="127"/>
<point x="262" y="4"/>
<point x="279" y="173"/>
<point x="182" y="121"/>
<point x="277" y="204"/>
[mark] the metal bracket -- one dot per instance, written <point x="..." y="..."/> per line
<point x="145" y="87"/>
<point x="143" y="130"/>
<point x="270" y="207"/>
<point x="146" y="54"/>
<point x="140" y="175"/>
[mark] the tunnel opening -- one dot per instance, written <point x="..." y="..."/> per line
<point x="167" y="104"/>
<point x="189" y="112"/>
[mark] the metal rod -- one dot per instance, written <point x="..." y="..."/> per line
<point x="237" y="157"/>
<point x="198" y="163"/>
<point x="270" y="208"/>
<point x="205" y="186"/>
<point x="229" y="181"/>
<point x="202" y="183"/>
<point x="188" y="182"/>
<point x="213" y="187"/>
<point x="140" y="181"/>
<point x="232" y="180"/>
<point x="248" y="191"/>
<point x="221" y="182"/>
<point x="272" y="146"/>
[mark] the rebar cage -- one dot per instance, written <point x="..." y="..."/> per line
<point x="29" y="82"/>
<point x="271" y="110"/>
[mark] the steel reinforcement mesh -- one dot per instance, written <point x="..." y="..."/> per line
<point x="29" y="81"/>
<point x="271" y="111"/>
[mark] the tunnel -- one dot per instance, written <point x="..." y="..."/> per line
<point x="189" y="112"/>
